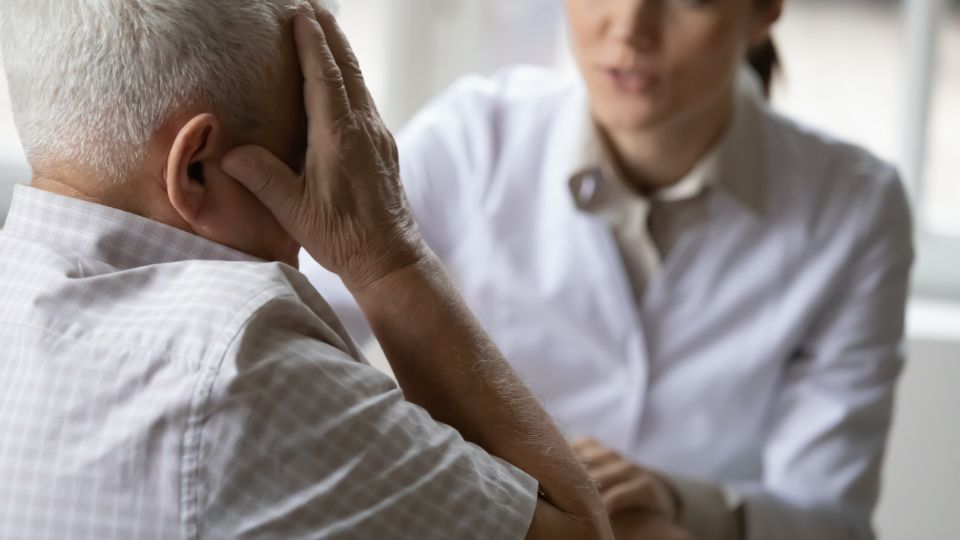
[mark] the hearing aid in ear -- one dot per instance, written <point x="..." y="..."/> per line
<point x="195" y="173"/>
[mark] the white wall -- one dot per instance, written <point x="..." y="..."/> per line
<point x="13" y="170"/>
<point x="921" y="489"/>
<point x="13" y="165"/>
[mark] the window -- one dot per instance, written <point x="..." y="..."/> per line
<point x="940" y="195"/>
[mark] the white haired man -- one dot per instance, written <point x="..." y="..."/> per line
<point x="165" y="373"/>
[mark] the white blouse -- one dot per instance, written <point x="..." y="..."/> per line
<point x="764" y="351"/>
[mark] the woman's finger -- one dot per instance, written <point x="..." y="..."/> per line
<point x="592" y="454"/>
<point x="635" y="493"/>
<point x="583" y="443"/>
<point x="609" y="475"/>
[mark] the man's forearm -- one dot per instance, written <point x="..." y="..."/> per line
<point x="445" y="362"/>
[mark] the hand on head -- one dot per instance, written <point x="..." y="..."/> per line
<point x="348" y="208"/>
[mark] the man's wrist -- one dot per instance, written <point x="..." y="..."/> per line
<point x="379" y="270"/>
<point x="406" y="285"/>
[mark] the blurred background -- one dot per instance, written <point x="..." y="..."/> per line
<point x="882" y="73"/>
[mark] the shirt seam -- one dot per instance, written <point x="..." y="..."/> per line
<point x="193" y="433"/>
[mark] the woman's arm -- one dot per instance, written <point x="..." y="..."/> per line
<point x="823" y="456"/>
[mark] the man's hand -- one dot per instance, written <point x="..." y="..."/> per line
<point x="625" y="486"/>
<point x="349" y="212"/>
<point x="348" y="208"/>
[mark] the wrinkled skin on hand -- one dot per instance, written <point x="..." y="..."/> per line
<point x="348" y="208"/>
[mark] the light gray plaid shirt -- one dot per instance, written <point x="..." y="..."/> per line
<point x="157" y="385"/>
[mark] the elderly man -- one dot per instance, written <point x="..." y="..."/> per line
<point x="167" y="372"/>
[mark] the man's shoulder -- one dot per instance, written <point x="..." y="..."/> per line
<point x="213" y="306"/>
<point x="185" y="310"/>
<point x="219" y="299"/>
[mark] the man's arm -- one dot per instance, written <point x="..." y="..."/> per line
<point x="300" y="440"/>
<point x="445" y="362"/>
<point x="350" y="214"/>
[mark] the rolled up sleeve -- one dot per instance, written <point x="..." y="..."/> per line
<point x="299" y="440"/>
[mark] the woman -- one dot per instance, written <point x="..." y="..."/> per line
<point x="708" y="297"/>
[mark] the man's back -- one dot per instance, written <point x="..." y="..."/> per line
<point x="159" y="385"/>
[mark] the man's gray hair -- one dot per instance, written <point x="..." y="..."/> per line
<point x="92" y="80"/>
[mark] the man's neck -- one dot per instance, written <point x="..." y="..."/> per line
<point x="122" y="196"/>
<point x="67" y="189"/>
<point x="652" y="159"/>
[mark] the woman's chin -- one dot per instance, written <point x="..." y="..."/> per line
<point x="629" y="118"/>
<point x="630" y="113"/>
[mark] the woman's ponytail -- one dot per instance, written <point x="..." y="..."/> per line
<point x="765" y="60"/>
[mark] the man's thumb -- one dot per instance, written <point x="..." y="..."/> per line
<point x="264" y="175"/>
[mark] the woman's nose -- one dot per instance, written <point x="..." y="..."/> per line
<point x="637" y="22"/>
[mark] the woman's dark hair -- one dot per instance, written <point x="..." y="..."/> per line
<point x="766" y="62"/>
<point x="764" y="58"/>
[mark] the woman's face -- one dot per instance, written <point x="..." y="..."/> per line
<point x="652" y="63"/>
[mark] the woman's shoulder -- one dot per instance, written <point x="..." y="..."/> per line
<point x="831" y="180"/>
<point x="815" y="155"/>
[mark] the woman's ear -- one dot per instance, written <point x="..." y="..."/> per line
<point x="193" y="149"/>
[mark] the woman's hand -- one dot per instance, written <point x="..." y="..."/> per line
<point x="348" y="209"/>
<point x="638" y="525"/>
<point x="624" y="486"/>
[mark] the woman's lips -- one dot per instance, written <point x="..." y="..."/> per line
<point x="632" y="80"/>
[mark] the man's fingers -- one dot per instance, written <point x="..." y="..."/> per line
<point x="266" y="176"/>
<point x="324" y="91"/>
<point x="357" y="90"/>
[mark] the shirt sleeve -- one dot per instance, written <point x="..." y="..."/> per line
<point x="299" y="440"/>
<point x="707" y="511"/>
<point x="338" y="297"/>
<point x="825" y="447"/>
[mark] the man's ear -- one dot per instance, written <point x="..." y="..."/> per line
<point x="193" y="149"/>
<point x="764" y="19"/>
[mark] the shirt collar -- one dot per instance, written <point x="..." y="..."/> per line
<point x="734" y="164"/>
<point x="115" y="237"/>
